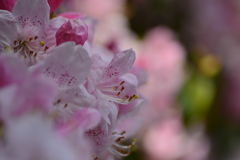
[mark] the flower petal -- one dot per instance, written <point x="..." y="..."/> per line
<point x="8" y="30"/>
<point x="31" y="15"/>
<point x="121" y="64"/>
<point x="67" y="65"/>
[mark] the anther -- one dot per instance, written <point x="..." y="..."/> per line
<point x="119" y="139"/>
<point x="130" y="98"/>
<point x="36" y="37"/>
<point x="41" y="43"/>
<point x="65" y="105"/>
<point x="15" y="43"/>
<point x="122" y="82"/>
<point x="31" y="52"/>
<point x="46" y="48"/>
<point x="35" y="55"/>
<point x="30" y="39"/>
<point x="122" y="88"/>
<point x="115" y="88"/>
<point x="118" y="93"/>
<point x="125" y="98"/>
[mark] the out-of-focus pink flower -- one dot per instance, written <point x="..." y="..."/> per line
<point x="7" y="4"/>
<point x="104" y="7"/>
<point x="165" y="140"/>
<point x="73" y="30"/>
<point x="72" y="15"/>
<point x="163" y="58"/>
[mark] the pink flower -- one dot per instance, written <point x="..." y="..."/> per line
<point x="27" y="31"/>
<point x="73" y="30"/>
<point x="113" y="80"/>
<point x="71" y="15"/>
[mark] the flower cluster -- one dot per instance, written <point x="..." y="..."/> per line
<point x="61" y="97"/>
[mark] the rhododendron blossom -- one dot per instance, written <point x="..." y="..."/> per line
<point x="61" y="97"/>
<point x="26" y="32"/>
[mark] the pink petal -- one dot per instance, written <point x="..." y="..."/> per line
<point x="85" y="119"/>
<point x="8" y="30"/>
<point x="31" y="15"/>
<point x="121" y="64"/>
<point x="73" y="30"/>
<point x="96" y="72"/>
<point x="124" y="88"/>
<point x="54" y="4"/>
<point x="72" y="15"/>
<point x="141" y="75"/>
<point x="130" y="109"/>
<point x="7" y="4"/>
<point x="12" y="71"/>
<point x="67" y="65"/>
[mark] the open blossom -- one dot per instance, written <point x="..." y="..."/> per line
<point x="27" y="32"/>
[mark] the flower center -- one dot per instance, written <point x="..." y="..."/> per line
<point x="119" y="149"/>
<point x="29" y="49"/>
<point x="115" y="93"/>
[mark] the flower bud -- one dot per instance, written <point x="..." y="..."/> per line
<point x="73" y="30"/>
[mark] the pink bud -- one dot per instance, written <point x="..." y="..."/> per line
<point x="73" y="30"/>
<point x="7" y="4"/>
<point x="54" y="4"/>
<point x="72" y="15"/>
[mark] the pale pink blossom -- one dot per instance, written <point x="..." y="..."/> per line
<point x="27" y="32"/>
<point x="165" y="140"/>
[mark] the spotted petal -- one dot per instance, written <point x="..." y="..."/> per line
<point x="121" y="64"/>
<point x="31" y="14"/>
<point x="67" y="65"/>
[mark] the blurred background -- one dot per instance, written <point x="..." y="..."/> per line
<point x="190" y="50"/>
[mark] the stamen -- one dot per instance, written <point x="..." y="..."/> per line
<point x="118" y="93"/>
<point x="41" y="43"/>
<point x="122" y="88"/>
<point x="30" y="39"/>
<point x="65" y="105"/>
<point x="15" y="43"/>
<point x="122" y="82"/>
<point x="115" y="88"/>
<point x="46" y="48"/>
<point x="119" y="139"/>
<point x="35" y="55"/>
<point x="36" y="37"/>
<point x="125" y="98"/>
